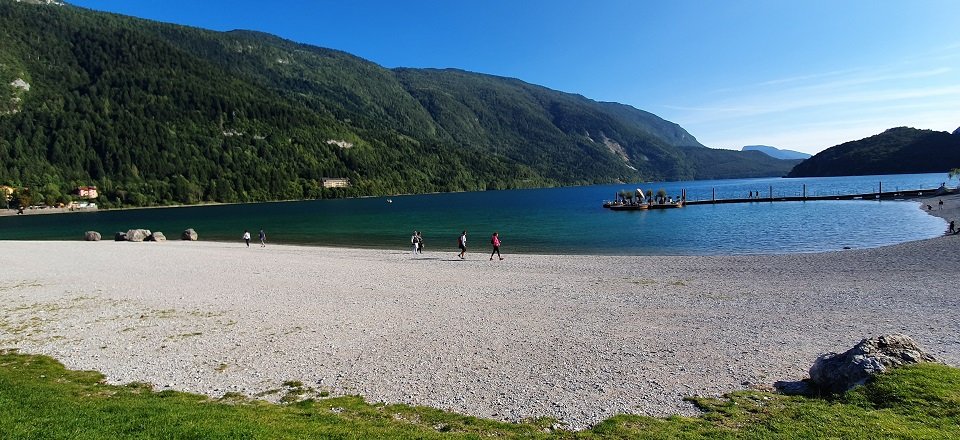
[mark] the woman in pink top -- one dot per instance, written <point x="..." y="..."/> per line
<point x="495" y="241"/>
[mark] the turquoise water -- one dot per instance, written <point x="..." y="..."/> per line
<point x="555" y="220"/>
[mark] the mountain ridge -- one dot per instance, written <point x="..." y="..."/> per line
<point x="777" y="152"/>
<point x="899" y="150"/>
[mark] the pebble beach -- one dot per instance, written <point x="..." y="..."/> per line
<point x="576" y="338"/>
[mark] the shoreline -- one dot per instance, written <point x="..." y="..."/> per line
<point x="577" y="338"/>
<point x="950" y="210"/>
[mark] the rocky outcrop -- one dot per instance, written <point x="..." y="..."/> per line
<point x="836" y="373"/>
<point x="138" y="234"/>
<point x="91" y="236"/>
<point x="157" y="236"/>
<point x="189" y="234"/>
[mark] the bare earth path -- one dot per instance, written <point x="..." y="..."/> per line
<point x="578" y="338"/>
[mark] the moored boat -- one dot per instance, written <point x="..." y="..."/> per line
<point x="666" y="205"/>
<point x="628" y="207"/>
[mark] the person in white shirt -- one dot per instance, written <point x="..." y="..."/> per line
<point x="246" y="237"/>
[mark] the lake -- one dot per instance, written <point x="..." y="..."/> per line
<point x="553" y="220"/>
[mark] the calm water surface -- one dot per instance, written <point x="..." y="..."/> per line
<point x="556" y="220"/>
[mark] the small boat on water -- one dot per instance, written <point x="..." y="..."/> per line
<point x="627" y="206"/>
<point x="641" y="206"/>
<point x="666" y="205"/>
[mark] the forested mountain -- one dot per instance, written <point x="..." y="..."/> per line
<point x="155" y="113"/>
<point x="730" y="164"/>
<point x="901" y="150"/>
<point x="777" y="152"/>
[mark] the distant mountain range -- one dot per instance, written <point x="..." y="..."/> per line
<point x="901" y="150"/>
<point x="776" y="152"/>
<point x="155" y="113"/>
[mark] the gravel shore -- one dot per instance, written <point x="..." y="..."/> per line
<point x="577" y="338"/>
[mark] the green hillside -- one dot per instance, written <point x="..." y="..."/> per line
<point x="901" y="150"/>
<point x="154" y="113"/>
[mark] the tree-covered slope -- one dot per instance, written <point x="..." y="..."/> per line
<point x="540" y="127"/>
<point x="729" y="164"/>
<point x="154" y="113"/>
<point x="901" y="150"/>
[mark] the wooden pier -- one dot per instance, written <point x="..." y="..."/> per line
<point x="889" y="195"/>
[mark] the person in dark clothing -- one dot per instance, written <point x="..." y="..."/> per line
<point x="462" y="243"/>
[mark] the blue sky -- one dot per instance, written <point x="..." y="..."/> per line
<point x="802" y="75"/>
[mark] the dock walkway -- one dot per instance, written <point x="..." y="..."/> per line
<point x="890" y="195"/>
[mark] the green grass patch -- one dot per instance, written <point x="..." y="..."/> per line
<point x="40" y="399"/>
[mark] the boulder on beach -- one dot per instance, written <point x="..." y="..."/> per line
<point x="836" y="373"/>
<point x="189" y="234"/>
<point x="91" y="236"/>
<point x="138" y="234"/>
<point x="120" y="236"/>
<point x="157" y="236"/>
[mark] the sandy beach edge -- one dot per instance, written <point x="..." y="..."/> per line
<point x="578" y="338"/>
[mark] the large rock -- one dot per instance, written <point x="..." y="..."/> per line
<point x="836" y="373"/>
<point x="91" y="236"/>
<point x="138" y="234"/>
<point x="157" y="236"/>
<point x="189" y="234"/>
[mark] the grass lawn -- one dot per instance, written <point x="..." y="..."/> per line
<point x="40" y="399"/>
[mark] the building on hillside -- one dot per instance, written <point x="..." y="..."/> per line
<point x="335" y="182"/>
<point x="87" y="192"/>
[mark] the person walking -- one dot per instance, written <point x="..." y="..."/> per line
<point x="495" y="241"/>
<point x="419" y="242"/>
<point x="263" y="238"/>
<point x="941" y="205"/>
<point x="953" y="227"/>
<point x="246" y="237"/>
<point x="415" y="243"/>
<point x="462" y="243"/>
